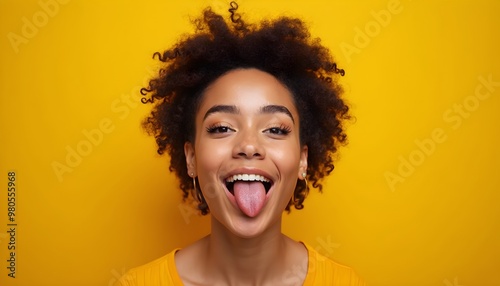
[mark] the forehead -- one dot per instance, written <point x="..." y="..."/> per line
<point x="249" y="89"/>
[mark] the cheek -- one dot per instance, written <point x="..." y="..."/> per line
<point x="209" y="158"/>
<point x="209" y="155"/>
<point x="287" y="159"/>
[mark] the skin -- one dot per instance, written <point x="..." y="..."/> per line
<point x="247" y="123"/>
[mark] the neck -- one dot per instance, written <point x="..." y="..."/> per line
<point x="247" y="260"/>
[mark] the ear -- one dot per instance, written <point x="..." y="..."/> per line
<point x="190" y="159"/>
<point x="303" y="163"/>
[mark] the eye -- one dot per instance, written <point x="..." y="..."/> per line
<point x="282" y="130"/>
<point x="214" y="129"/>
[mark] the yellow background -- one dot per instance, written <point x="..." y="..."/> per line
<point x="81" y="70"/>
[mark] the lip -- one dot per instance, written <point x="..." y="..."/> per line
<point x="246" y="170"/>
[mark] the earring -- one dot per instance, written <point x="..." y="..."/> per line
<point x="305" y="180"/>
<point x="194" y="181"/>
<point x="199" y="195"/>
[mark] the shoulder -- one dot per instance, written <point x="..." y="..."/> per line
<point x="157" y="272"/>
<point x="322" y="270"/>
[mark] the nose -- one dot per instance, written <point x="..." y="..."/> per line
<point x="248" y="146"/>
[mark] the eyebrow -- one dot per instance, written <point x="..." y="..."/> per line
<point x="268" y="109"/>
<point x="222" y="108"/>
<point x="232" y="109"/>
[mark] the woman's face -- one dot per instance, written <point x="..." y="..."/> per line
<point x="247" y="153"/>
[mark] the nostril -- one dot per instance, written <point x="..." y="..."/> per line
<point x="248" y="151"/>
<point x="243" y="154"/>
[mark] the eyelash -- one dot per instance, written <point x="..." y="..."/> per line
<point x="219" y="128"/>
<point x="281" y="130"/>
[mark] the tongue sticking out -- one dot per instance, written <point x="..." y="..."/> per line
<point x="250" y="197"/>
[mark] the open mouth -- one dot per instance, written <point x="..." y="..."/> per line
<point x="267" y="183"/>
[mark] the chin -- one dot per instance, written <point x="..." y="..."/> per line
<point x="245" y="227"/>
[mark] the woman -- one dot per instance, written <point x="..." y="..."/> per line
<point x="248" y="114"/>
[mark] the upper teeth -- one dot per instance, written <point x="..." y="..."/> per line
<point x="246" y="177"/>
